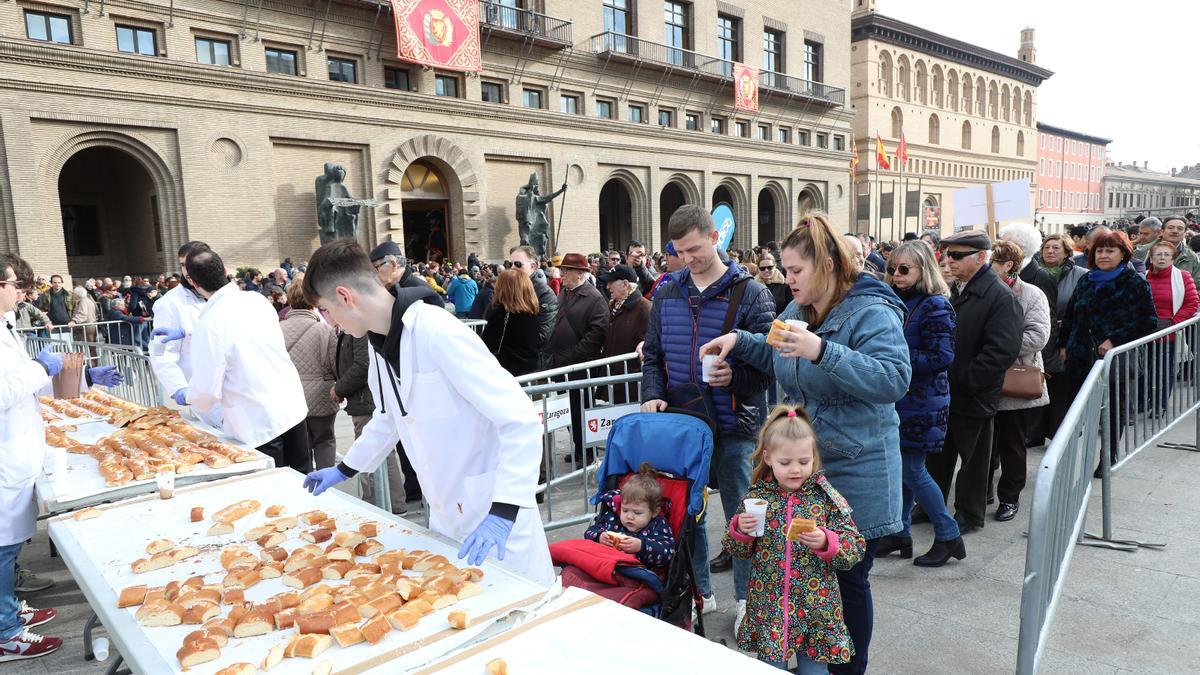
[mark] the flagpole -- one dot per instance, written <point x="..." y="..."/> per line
<point x="879" y="203"/>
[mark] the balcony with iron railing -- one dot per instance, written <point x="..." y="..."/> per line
<point x="818" y="92"/>
<point x="524" y="24"/>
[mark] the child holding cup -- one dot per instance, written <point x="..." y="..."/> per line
<point x="793" y="567"/>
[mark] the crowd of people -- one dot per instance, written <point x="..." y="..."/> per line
<point x="907" y="368"/>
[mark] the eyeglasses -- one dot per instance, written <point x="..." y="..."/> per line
<point x="959" y="255"/>
<point x="902" y="269"/>
<point x="379" y="264"/>
<point x="615" y="257"/>
<point x="509" y="264"/>
<point x="15" y="283"/>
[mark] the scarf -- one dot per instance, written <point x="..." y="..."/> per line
<point x="1054" y="271"/>
<point x="1101" y="278"/>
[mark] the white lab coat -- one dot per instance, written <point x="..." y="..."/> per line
<point x="22" y="437"/>
<point x="239" y="360"/>
<point x="179" y="308"/>
<point x="472" y="435"/>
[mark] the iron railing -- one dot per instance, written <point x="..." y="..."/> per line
<point x="627" y="47"/>
<point x="788" y="84"/>
<point x="498" y="17"/>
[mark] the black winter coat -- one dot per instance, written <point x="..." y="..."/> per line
<point x="987" y="342"/>
<point x="513" y="339"/>
<point x="1121" y="311"/>
<point x="579" y="327"/>
<point x="350" y="368"/>
<point x="1036" y="276"/>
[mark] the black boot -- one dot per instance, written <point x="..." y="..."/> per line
<point x="721" y="563"/>
<point x="941" y="552"/>
<point x="891" y="543"/>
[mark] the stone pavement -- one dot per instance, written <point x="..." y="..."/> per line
<point x="1120" y="612"/>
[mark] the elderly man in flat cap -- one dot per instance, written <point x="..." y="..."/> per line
<point x="986" y="344"/>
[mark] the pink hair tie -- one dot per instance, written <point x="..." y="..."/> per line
<point x="791" y="413"/>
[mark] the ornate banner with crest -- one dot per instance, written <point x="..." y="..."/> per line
<point x="745" y="87"/>
<point x="438" y="33"/>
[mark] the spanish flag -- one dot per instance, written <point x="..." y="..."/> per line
<point x="881" y="159"/>
<point x="853" y="157"/>
<point x="902" y="151"/>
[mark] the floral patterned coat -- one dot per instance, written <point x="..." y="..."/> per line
<point x="787" y="574"/>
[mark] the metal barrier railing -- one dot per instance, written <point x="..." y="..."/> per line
<point x="1060" y="497"/>
<point x="140" y="385"/>
<point x="476" y="325"/>
<point x="108" y="332"/>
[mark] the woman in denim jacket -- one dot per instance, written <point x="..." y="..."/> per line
<point x="848" y="368"/>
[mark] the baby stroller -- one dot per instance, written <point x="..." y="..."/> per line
<point x="679" y="445"/>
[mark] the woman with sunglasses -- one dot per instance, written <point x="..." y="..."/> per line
<point x="770" y="276"/>
<point x="929" y="331"/>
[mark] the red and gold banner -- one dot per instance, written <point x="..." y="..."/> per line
<point x="438" y="33"/>
<point x="745" y="87"/>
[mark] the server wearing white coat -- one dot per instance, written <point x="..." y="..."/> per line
<point x="22" y="450"/>
<point x="175" y="316"/>
<point x="240" y="362"/>
<point x="471" y="433"/>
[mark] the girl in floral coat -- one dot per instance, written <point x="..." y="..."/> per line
<point x="794" y="605"/>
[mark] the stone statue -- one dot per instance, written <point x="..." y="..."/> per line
<point x="337" y="211"/>
<point x="531" y="215"/>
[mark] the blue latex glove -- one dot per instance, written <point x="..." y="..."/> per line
<point x="107" y="376"/>
<point x="323" y="479"/>
<point x="180" y="396"/>
<point x="168" y="334"/>
<point x="493" y="531"/>
<point x="52" y="361"/>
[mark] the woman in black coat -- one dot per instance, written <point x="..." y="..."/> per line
<point x="511" y="333"/>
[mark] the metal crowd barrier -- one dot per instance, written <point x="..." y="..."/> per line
<point x="140" y="385"/>
<point x="476" y="325"/>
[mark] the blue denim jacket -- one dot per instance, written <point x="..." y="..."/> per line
<point x="851" y="394"/>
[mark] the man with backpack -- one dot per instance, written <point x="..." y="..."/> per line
<point x="706" y="299"/>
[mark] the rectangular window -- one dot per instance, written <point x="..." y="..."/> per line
<point x="822" y="140"/>
<point x="785" y="135"/>
<point x="692" y="121"/>
<point x="1040" y="196"/>
<point x="137" y="40"/>
<point x="533" y="98"/>
<point x="718" y="125"/>
<point x="569" y="104"/>
<point x="491" y="92"/>
<point x="764" y="132"/>
<point x="839" y="143"/>
<point x="342" y="69"/>
<point x="637" y="113"/>
<point x="813" y="60"/>
<point x="47" y="27"/>
<point x="742" y="128"/>
<point x="604" y="109"/>
<point x="281" y="61"/>
<point x="212" y="52"/>
<point x="729" y="42"/>
<point x="773" y="51"/>
<point x="802" y="137"/>
<point x="397" y="78"/>
<point x="666" y="118"/>
<point x="675" y="26"/>
<point x="446" y="85"/>
<point x="618" y="20"/>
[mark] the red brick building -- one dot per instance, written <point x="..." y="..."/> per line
<point x="1070" y="178"/>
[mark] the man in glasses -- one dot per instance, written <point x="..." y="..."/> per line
<point x="524" y="258"/>
<point x="391" y="267"/>
<point x="988" y="339"/>
<point x="635" y="257"/>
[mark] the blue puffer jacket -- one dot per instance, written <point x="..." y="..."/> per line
<point x="851" y="393"/>
<point x="929" y="332"/>
<point x="678" y="329"/>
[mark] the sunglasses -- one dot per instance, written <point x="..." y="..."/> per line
<point x="766" y="268"/>
<point x="509" y="264"/>
<point x="903" y="270"/>
<point x="959" y="255"/>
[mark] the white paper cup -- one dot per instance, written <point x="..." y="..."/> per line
<point x="794" y="323"/>
<point x="707" y="362"/>
<point x="166" y="484"/>
<point x="158" y="346"/>
<point x="758" y="508"/>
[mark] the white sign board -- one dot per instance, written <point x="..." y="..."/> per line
<point x="598" y="421"/>
<point x="1010" y="201"/>
<point x="554" y="413"/>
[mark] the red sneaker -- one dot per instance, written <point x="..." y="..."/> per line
<point x="27" y="645"/>
<point x="31" y="617"/>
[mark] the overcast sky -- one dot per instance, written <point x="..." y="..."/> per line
<point x="1124" y="71"/>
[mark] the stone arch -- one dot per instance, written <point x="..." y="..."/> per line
<point x="980" y="96"/>
<point x="1020" y="144"/>
<point x="808" y="200"/>
<point x="690" y="191"/>
<point x="935" y="130"/>
<point x="966" y="135"/>
<point x="885" y="73"/>
<point x="952" y="90"/>
<point x="639" y="204"/>
<point x="995" y="139"/>
<point x="679" y="189"/>
<point x="1005" y="102"/>
<point x="1017" y="97"/>
<point x="1028" y="108"/>
<point x="167" y="184"/>
<point x="936" y="86"/>
<point x="740" y="204"/>
<point x="897" y="121"/>
<point x="463" y="221"/>
<point x="779" y="222"/>
<point x="968" y="100"/>
<point x="921" y="77"/>
<point x="903" y="78"/>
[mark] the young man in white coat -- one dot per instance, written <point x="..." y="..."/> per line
<point x="175" y="316"/>
<point x="239" y="361"/>
<point x="472" y="434"/>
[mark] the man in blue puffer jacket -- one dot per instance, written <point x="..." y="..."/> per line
<point x="690" y="310"/>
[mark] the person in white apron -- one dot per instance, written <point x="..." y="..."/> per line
<point x="473" y="436"/>
<point x="22" y="449"/>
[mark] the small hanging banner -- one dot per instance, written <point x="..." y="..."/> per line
<point x="745" y="87"/>
<point x="438" y="33"/>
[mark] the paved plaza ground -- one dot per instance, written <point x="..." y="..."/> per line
<point x="1120" y="612"/>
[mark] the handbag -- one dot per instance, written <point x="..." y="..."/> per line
<point x="1023" y="382"/>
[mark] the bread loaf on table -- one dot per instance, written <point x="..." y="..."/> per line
<point x="375" y="629"/>
<point x="271" y="539"/>
<point x="200" y="612"/>
<point x="335" y="553"/>
<point x="286" y="619"/>
<point x="303" y="577"/>
<point x="274" y="554"/>
<point x="254" y="623"/>
<point x="237" y="510"/>
<point x="190" y="596"/>
<point x="159" y="545"/>
<point x="496" y="667"/>
<point x="369" y="529"/>
<point x="274" y="656"/>
<point x="88" y="513"/>
<point x="312" y="517"/>
<point x="459" y="619"/>
<point x="159" y="613"/>
<point x="256" y="533"/>
<point x="348" y="539"/>
<point x="219" y="529"/>
<point x="361" y="569"/>
<point x="233" y="596"/>
<point x="131" y="596"/>
<point x="403" y="618"/>
<point x="317" y="536"/>
<point x="386" y="557"/>
<point x="315" y="622"/>
<point x="421" y="605"/>
<point x="315" y="603"/>
<point x="336" y="570"/>
<point x="347" y="635"/>
<point x="368" y="548"/>
<point x="276" y="510"/>
<point x="287" y="599"/>
<point x="238" y="669"/>
<point x="223" y="624"/>
<point x="308" y="645"/>
<point x="270" y="570"/>
<point x="198" y="651"/>
<point x="213" y="634"/>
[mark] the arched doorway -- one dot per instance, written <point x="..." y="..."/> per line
<point x="111" y="216"/>
<point x="766" y="216"/>
<point x="669" y="200"/>
<point x="809" y="200"/>
<point x="616" y="215"/>
<point x="425" y="198"/>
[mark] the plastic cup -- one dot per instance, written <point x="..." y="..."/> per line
<point x="707" y="363"/>
<point x="795" y="323"/>
<point x="158" y="346"/>
<point x="166" y="484"/>
<point x="758" y="509"/>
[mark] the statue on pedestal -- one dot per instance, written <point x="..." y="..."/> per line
<point x="533" y="226"/>
<point x="337" y="210"/>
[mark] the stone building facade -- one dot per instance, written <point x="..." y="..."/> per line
<point x="1070" y="178"/>
<point x="967" y="115"/>
<point x="1131" y="190"/>
<point x="130" y="127"/>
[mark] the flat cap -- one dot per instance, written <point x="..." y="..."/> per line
<point x="973" y="238"/>
<point x="385" y="249"/>
<point x="620" y="273"/>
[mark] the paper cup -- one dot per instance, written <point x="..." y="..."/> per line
<point x="802" y="325"/>
<point x="707" y="362"/>
<point x="166" y="484"/>
<point x="158" y="346"/>
<point x="758" y="508"/>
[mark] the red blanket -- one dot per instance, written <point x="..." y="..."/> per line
<point x="598" y="560"/>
